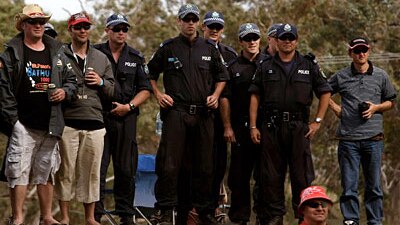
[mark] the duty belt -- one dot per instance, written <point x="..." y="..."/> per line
<point x="284" y="116"/>
<point x="191" y="109"/>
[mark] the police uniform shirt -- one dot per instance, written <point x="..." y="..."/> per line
<point x="190" y="70"/>
<point x="228" y="54"/>
<point x="292" y="92"/>
<point x="241" y="73"/>
<point x="130" y="73"/>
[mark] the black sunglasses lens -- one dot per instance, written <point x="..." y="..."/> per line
<point x="118" y="29"/>
<point x="359" y="50"/>
<point x="315" y="205"/>
<point x="215" y="27"/>
<point x="188" y="19"/>
<point x="287" y="37"/>
<point x="250" y="38"/>
<point x="79" y="27"/>
<point x="36" y="21"/>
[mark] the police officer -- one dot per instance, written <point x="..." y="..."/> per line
<point x="235" y="115"/>
<point x="272" y="47"/>
<point x="284" y="88"/>
<point x="213" y="28"/>
<point x="132" y="88"/>
<point x="194" y="78"/>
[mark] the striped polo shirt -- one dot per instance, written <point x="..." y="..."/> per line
<point x="355" y="88"/>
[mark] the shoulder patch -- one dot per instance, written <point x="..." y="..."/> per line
<point x="166" y="42"/>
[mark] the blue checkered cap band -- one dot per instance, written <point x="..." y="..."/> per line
<point x="116" y="19"/>
<point x="248" y="28"/>
<point x="187" y="9"/>
<point x="213" y="17"/>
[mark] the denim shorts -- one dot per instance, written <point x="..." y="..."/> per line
<point x="32" y="157"/>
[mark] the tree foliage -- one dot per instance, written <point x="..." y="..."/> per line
<point x="324" y="28"/>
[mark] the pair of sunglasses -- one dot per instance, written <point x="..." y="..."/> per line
<point x="119" y="29"/>
<point x="250" y="38"/>
<point x="287" y="37"/>
<point x="316" y="204"/>
<point x="80" y="26"/>
<point x="39" y="21"/>
<point x="188" y="19"/>
<point x="215" y="26"/>
<point x="360" y="50"/>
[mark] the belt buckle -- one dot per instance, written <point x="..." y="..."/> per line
<point x="192" y="109"/>
<point x="285" y="116"/>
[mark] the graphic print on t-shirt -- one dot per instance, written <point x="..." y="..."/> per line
<point x="39" y="76"/>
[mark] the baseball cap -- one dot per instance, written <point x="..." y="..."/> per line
<point x="116" y="19"/>
<point x="313" y="192"/>
<point x="358" y="41"/>
<point x="272" y="30"/>
<point x="187" y="9"/>
<point x="49" y="30"/>
<point x="212" y="17"/>
<point x="81" y="17"/>
<point x="248" y="28"/>
<point x="286" y="29"/>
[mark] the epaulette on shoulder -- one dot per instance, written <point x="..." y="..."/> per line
<point x="230" y="49"/>
<point x="211" y="42"/>
<point x="135" y="52"/>
<point x="311" y="57"/>
<point x="166" y="42"/>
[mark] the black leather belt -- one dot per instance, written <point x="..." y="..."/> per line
<point x="285" y="116"/>
<point x="191" y="109"/>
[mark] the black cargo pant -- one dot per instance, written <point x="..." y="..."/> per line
<point x="120" y="145"/>
<point x="184" y="162"/>
<point x="243" y="157"/>
<point x="283" y="145"/>
<point x="220" y="157"/>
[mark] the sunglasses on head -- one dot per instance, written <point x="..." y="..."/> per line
<point x="287" y="37"/>
<point x="80" y="26"/>
<point x="40" y="21"/>
<point x="316" y="204"/>
<point x="359" y="50"/>
<point x="187" y="19"/>
<point x="215" y="26"/>
<point x="118" y="29"/>
<point x="250" y="38"/>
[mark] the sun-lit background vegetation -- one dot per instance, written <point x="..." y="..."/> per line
<point x="324" y="28"/>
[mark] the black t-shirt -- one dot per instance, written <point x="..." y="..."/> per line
<point x="33" y="105"/>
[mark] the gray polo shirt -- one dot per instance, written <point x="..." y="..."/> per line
<point x="354" y="88"/>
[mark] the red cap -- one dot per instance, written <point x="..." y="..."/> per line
<point x="76" y="18"/>
<point x="313" y="192"/>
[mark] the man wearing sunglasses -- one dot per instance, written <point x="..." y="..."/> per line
<point x="30" y="63"/>
<point x="272" y="39"/>
<point x="314" y="206"/>
<point x="194" y="77"/>
<point x="213" y="28"/>
<point x="235" y="115"/>
<point x="81" y="145"/>
<point x="366" y="92"/>
<point x="132" y="88"/>
<point x="284" y="87"/>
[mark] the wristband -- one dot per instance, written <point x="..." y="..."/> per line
<point x="101" y="82"/>
<point x="253" y="127"/>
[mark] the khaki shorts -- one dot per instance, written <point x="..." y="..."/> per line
<point x="32" y="157"/>
<point x="79" y="174"/>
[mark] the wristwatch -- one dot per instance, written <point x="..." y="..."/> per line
<point x="318" y="120"/>
<point x="131" y="106"/>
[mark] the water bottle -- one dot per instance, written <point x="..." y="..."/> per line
<point x="159" y="124"/>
